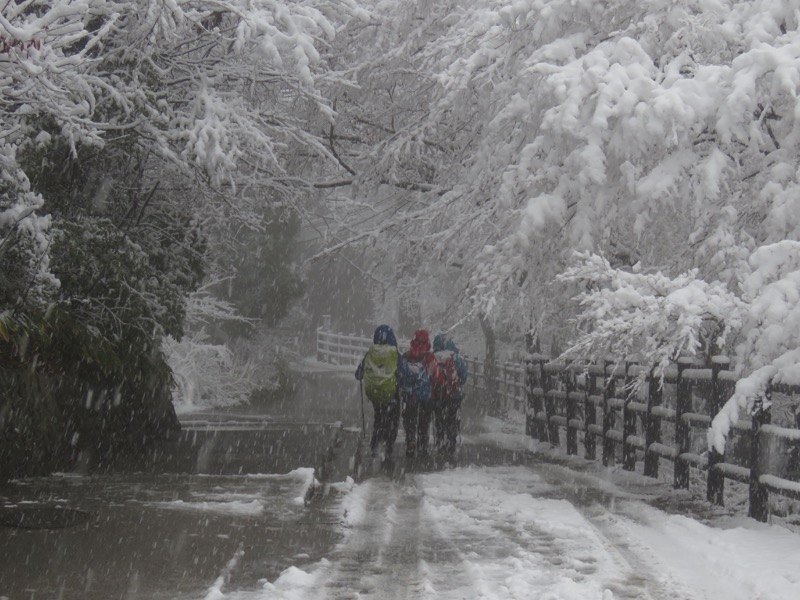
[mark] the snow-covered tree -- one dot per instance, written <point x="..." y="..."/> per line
<point x="205" y="371"/>
<point x="115" y="109"/>
<point x="649" y="316"/>
<point x="657" y="134"/>
<point x="133" y="135"/>
<point x="208" y="95"/>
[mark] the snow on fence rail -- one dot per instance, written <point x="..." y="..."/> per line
<point x="597" y="405"/>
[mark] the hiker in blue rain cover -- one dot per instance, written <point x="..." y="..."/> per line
<point x="416" y="394"/>
<point x="379" y="370"/>
<point x="448" y="393"/>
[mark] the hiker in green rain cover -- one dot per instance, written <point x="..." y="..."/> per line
<point x="380" y="372"/>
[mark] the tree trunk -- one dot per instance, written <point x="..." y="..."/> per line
<point x="409" y="317"/>
<point x="492" y="396"/>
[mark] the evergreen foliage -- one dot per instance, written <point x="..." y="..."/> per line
<point x="265" y="281"/>
<point x="470" y="148"/>
<point x="133" y="135"/>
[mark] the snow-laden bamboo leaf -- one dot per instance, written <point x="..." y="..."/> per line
<point x="649" y="317"/>
<point x="770" y="349"/>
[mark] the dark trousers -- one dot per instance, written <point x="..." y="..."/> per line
<point x="416" y="423"/>
<point x="386" y="420"/>
<point x="447" y="424"/>
<point x="424" y="426"/>
<point x="410" y="423"/>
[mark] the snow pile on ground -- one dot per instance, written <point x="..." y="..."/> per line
<point x="566" y="552"/>
<point x="292" y="486"/>
<point x="292" y="584"/>
<point x="742" y="559"/>
<point x="504" y="533"/>
<point x="543" y="531"/>
<point x="227" y="507"/>
<point x="515" y="543"/>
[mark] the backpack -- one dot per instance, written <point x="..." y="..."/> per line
<point x="416" y="382"/>
<point x="461" y="368"/>
<point x="446" y="384"/>
<point x="380" y="368"/>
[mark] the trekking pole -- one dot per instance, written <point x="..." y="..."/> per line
<point x="357" y="459"/>
<point x="363" y="420"/>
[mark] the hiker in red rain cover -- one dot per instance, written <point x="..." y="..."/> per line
<point x="417" y="394"/>
<point x="448" y="393"/>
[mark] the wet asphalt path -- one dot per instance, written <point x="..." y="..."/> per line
<point x="120" y="536"/>
<point x="117" y="534"/>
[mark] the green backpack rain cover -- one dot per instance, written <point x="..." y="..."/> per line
<point x="380" y="368"/>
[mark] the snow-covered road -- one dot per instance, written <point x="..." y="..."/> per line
<point x="515" y="519"/>
<point x="508" y="532"/>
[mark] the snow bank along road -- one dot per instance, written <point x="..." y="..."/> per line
<point x="538" y="531"/>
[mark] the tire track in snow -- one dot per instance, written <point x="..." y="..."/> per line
<point x="393" y="553"/>
<point x="354" y="571"/>
<point x="448" y="563"/>
<point x="653" y="576"/>
<point x="605" y="512"/>
<point x="379" y="556"/>
<point x="456" y="535"/>
<point x="552" y="551"/>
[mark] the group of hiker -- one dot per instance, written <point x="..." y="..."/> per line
<point x="425" y="386"/>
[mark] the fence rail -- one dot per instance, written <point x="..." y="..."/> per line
<point x="340" y="349"/>
<point x="344" y="349"/>
<point x="601" y="406"/>
<point x="511" y="384"/>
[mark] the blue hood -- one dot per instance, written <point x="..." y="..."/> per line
<point x="439" y="342"/>
<point x="384" y="335"/>
<point x="450" y="345"/>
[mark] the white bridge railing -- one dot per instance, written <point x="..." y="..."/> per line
<point x="348" y="350"/>
<point x="341" y="349"/>
<point x="345" y="349"/>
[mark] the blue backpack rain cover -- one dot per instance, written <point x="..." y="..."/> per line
<point x="416" y="382"/>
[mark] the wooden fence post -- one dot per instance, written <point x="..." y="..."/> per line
<point x="502" y="388"/>
<point x="608" y="415"/>
<point x="514" y="398"/>
<point x="628" y="422"/>
<point x="531" y="404"/>
<point x="490" y="385"/>
<point x="683" y="405"/>
<point x="759" y="495"/>
<point x="715" y="481"/>
<point x="590" y="416"/>
<point x="539" y="402"/>
<point x="568" y="377"/>
<point x="319" y="345"/>
<point x="550" y="408"/>
<point x="512" y="388"/>
<point x="652" y="434"/>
